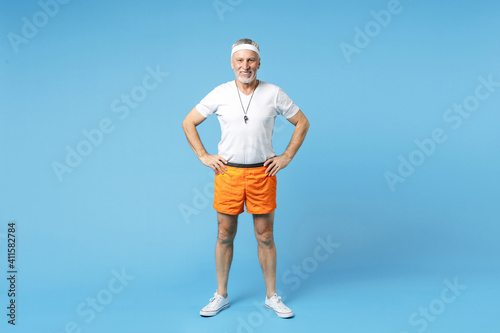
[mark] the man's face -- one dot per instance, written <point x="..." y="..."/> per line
<point x="245" y="64"/>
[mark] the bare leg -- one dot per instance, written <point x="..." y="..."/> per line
<point x="263" y="227"/>
<point x="224" y="249"/>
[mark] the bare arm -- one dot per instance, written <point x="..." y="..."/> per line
<point x="193" y="119"/>
<point x="277" y="163"/>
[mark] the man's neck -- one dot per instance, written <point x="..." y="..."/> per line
<point x="247" y="88"/>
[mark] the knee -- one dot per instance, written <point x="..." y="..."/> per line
<point x="225" y="236"/>
<point x="265" y="239"/>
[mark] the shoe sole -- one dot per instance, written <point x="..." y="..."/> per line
<point x="281" y="315"/>
<point x="213" y="313"/>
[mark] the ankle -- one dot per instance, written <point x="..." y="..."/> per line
<point x="269" y="295"/>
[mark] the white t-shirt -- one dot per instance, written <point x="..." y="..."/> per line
<point x="251" y="142"/>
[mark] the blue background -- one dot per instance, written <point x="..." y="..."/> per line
<point x="139" y="203"/>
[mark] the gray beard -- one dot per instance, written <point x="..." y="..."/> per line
<point x="249" y="80"/>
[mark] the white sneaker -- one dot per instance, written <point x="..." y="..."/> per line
<point x="217" y="304"/>
<point x="274" y="303"/>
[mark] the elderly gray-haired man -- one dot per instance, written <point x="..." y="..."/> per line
<point x="246" y="164"/>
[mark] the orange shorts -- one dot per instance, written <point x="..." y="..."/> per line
<point x="239" y="186"/>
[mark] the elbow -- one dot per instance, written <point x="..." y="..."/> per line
<point x="305" y="126"/>
<point x="185" y="124"/>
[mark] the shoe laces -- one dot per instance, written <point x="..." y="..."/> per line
<point x="279" y="303"/>
<point x="214" y="300"/>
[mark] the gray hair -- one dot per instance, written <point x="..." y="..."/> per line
<point x="246" y="41"/>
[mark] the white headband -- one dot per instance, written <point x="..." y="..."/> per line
<point x="245" y="47"/>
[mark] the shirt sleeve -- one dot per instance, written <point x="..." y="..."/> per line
<point x="286" y="107"/>
<point x="209" y="104"/>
